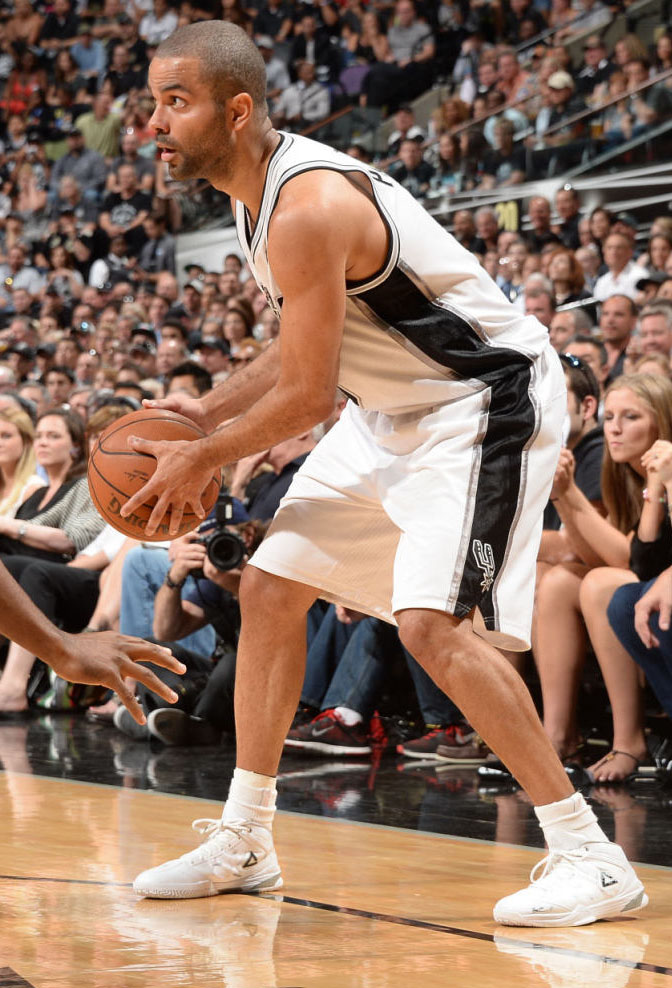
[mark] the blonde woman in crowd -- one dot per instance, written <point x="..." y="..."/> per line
<point x="637" y="412"/>
<point x="18" y="479"/>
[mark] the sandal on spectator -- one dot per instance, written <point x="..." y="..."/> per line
<point x="608" y="758"/>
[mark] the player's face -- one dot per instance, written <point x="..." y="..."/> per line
<point x="190" y="127"/>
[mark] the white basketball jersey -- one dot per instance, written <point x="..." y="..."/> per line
<point x="431" y="325"/>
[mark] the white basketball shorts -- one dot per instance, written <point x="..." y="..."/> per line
<point x="440" y="508"/>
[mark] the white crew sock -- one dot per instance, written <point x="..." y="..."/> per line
<point x="349" y="717"/>
<point x="569" y="823"/>
<point x="251" y="798"/>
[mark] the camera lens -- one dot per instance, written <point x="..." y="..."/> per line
<point x="225" y="550"/>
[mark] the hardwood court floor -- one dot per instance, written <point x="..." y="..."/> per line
<point x="363" y="905"/>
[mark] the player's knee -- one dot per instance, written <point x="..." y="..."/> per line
<point x="264" y="593"/>
<point x="428" y="633"/>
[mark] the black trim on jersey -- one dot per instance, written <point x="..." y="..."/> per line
<point x="452" y="342"/>
<point x="251" y="228"/>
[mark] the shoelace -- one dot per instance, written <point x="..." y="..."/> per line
<point x="570" y="858"/>
<point x="210" y="828"/>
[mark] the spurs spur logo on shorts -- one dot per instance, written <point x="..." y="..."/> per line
<point x="485" y="560"/>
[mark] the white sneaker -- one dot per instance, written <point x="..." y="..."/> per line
<point x="235" y="856"/>
<point x="575" y="887"/>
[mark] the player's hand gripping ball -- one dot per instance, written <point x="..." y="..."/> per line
<point x="116" y="472"/>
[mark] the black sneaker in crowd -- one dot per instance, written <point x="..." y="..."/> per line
<point x="175" y="727"/>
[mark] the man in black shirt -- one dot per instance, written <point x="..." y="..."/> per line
<point x="125" y="211"/>
<point x="505" y="165"/>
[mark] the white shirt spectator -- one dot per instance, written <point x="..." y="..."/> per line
<point x="155" y="29"/>
<point x="618" y="284"/>
<point x="306" y="102"/>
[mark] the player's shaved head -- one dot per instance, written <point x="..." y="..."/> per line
<point x="230" y="60"/>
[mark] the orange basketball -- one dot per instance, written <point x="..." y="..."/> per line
<point x="116" y="472"/>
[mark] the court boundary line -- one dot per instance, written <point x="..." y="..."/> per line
<point x="313" y="816"/>
<point x="367" y="914"/>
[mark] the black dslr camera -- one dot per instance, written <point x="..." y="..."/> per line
<point x="224" y="548"/>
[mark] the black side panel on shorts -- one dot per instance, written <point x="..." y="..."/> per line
<point x="450" y="341"/>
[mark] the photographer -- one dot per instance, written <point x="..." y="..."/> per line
<point x="213" y="556"/>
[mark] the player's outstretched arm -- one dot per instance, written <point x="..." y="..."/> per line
<point x="101" y="658"/>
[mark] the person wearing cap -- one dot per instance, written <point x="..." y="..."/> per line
<point x="89" y="53"/>
<point x="143" y="353"/>
<point x="596" y="67"/>
<point x="277" y="75"/>
<point x="21" y="359"/>
<point x="122" y="75"/>
<point x="16" y="273"/>
<point x="214" y="354"/>
<point x="564" y="104"/>
<point x="193" y="270"/>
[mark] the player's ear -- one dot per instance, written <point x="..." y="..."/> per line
<point x="242" y="108"/>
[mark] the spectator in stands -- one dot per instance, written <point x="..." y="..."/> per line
<point x="274" y="18"/>
<point x="450" y="114"/>
<point x="593" y="16"/>
<point x="600" y="222"/>
<point x="473" y="149"/>
<point x="618" y="320"/>
<point x="637" y="412"/>
<point x="445" y="160"/>
<point x="567" y="206"/>
<point x="124" y="212"/>
<point x="408" y="71"/>
<point x="24" y="24"/>
<point x="505" y="165"/>
<point x="100" y="127"/>
<point x="561" y="330"/>
<point x="304" y="102"/>
<point x="412" y="171"/>
<point x="539" y="302"/>
<point x="565" y="105"/>
<point x="89" y="53"/>
<point x="510" y="277"/>
<point x="593" y="353"/>
<point x="18" y="479"/>
<point x="649" y="107"/>
<point x="158" y="252"/>
<point x="214" y="354"/>
<point x="143" y="167"/>
<point x="660" y="248"/>
<point x="17" y="274"/>
<point x="648" y="285"/>
<point x="567" y="277"/>
<point x="464" y="229"/>
<point x="158" y="24"/>
<point x="539" y="213"/>
<point x="312" y="44"/>
<point x="655" y="329"/>
<point x="188" y="378"/>
<point x="122" y="74"/>
<point x="487" y="230"/>
<point x="649" y="554"/>
<point x="622" y="273"/>
<point x="277" y="76"/>
<point x="590" y="260"/>
<point x="596" y="68"/>
<point x="59" y="29"/>
<point x="84" y="165"/>
<point x="405" y="129"/>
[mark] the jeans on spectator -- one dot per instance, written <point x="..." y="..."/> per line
<point x="327" y="639"/>
<point x="656" y="662"/>
<point x="361" y="673"/>
<point x="143" y="573"/>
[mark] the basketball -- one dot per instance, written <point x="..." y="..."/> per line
<point x="116" y="472"/>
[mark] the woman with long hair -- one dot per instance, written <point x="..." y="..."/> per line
<point x="637" y="412"/>
<point x="18" y="479"/>
<point x="567" y="277"/>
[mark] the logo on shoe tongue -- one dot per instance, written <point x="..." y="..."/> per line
<point x="251" y="860"/>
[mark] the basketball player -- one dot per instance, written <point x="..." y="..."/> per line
<point x="102" y="658"/>
<point x="422" y="505"/>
